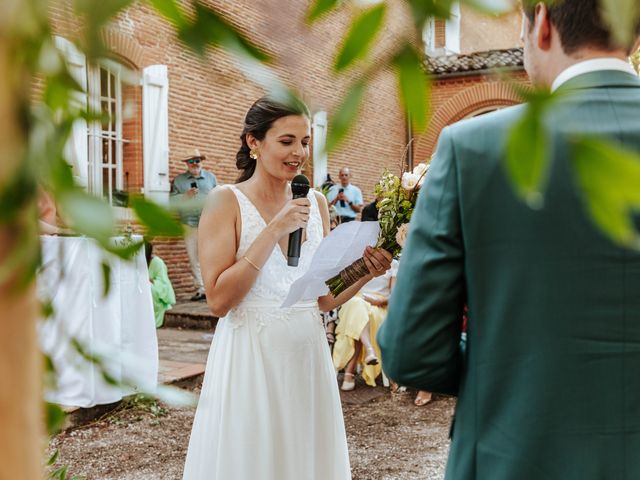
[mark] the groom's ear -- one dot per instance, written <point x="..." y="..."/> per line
<point x="542" y="27"/>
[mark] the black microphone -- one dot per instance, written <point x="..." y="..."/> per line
<point x="299" y="187"/>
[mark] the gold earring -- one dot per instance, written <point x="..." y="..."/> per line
<point x="254" y="153"/>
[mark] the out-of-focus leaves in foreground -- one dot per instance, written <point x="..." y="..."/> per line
<point x="527" y="148"/>
<point x="413" y="85"/>
<point x="623" y="17"/>
<point x="158" y="221"/>
<point x="425" y="9"/>
<point x="170" y="10"/>
<point x="319" y="8"/>
<point x="492" y="7"/>
<point x="345" y="116"/>
<point x="609" y="176"/>
<point x="55" y="418"/>
<point x="210" y="29"/>
<point x="360" y="37"/>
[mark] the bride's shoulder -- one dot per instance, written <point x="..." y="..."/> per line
<point x="222" y="199"/>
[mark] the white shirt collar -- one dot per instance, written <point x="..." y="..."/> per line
<point x="593" y="65"/>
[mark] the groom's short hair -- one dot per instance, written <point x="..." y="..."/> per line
<point x="580" y="24"/>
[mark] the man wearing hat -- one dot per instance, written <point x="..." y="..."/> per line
<point x="194" y="184"/>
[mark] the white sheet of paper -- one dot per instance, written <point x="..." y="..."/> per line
<point x="343" y="246"/>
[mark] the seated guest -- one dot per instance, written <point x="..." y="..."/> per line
<point x="161" y="289"/>
<point x="359" y="320"/>
<point x="370" y="212"/>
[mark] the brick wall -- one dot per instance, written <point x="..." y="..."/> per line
<point x="453" y="99"/>
<point x="208" y="97"/>
<point x="132" y="133"/>
<point x="504" y="30"/>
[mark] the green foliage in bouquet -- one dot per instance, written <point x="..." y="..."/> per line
<point x="397" y="199"/>
<point x="395" y="207"/>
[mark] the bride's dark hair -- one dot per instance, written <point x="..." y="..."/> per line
<point x="257" y="122"/>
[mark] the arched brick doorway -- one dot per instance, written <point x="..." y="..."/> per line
<point x="472" y="101"/>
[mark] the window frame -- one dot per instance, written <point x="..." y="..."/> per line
<point x="97" y="134"/>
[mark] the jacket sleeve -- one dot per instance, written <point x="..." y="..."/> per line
<point x="420" y="337"/>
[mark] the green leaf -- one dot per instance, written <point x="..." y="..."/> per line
<point x="414" y="86"/>
<point x="359" y="39"/>
<point x="46" y="309"/>
<point x="319" y="8"/>
<point x="492" y="7"/>
<point x="527" y="158"/>
<point x="54" y="417"/>
<point x="210" y="29"/>
<point x="609" y="177"/>
<point x="527" y="154"/>
<point x="345" y="116"/>
<point x="622" y="17"/>
<point x="17" y="193"/>
<point x="159" y="221"/>
<point x="60" y="473"/>
<point x="424" y="9"/>
<point x="52" y="459"/>
<point x="49" y="366"/>
<point x="106" y="277"/>
<point x="61" y="175"/>
<point x="126" y="251"/>
<point x="96" y="14"/>
<point x="60" y="90"/>
<point x="24" y="258"/>
<point x="169" y="9"/>
<point x="88" y="215"/>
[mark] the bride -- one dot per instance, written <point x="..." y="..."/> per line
<point x="269" y="407"/>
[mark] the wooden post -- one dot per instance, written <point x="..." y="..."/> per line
<point x="21" y="413"/>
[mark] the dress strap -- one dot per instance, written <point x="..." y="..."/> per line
<point x="250" y="220"/>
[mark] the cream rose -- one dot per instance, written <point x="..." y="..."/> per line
<point x="421" y="171"/>
<point x="401" y="234"/>
<point x="409" y="181"/>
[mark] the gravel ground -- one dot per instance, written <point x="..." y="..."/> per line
<point x="389" y="438"/>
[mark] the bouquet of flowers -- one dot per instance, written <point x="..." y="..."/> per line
<point x="398" y="196"/>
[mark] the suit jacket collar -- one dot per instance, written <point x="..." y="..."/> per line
<point x="600" y="78"/>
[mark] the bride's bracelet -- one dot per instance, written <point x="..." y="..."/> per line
<point x="251" y="263"/>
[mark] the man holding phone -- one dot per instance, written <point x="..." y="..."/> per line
<point x="193" y="186"/>
<point x="346" y="198"/>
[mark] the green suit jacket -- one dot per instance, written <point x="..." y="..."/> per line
<point x="549" y="386"/>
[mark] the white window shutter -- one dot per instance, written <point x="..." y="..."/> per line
<point x="319" y="148"/>
<point x="155" y="131"/>
<point x="452" y="30"/>
<point x="76" y="149"/>
<point x="429" y="35"/>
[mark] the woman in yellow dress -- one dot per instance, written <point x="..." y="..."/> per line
<point x="359" y="320"/>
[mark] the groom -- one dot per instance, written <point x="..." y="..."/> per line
<point x="549" y="387"/>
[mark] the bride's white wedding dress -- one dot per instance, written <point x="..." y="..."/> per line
<point x="269" y="407"/>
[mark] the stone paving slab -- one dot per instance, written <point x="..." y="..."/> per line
<point x="192" y="315"/>
<point x="172" y="372"/>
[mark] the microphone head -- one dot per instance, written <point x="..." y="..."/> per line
<point x="300" y="186"/>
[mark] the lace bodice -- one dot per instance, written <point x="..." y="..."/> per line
<point x="275" y="277"/>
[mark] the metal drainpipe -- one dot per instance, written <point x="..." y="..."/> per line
<point x="409" y="143"/>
